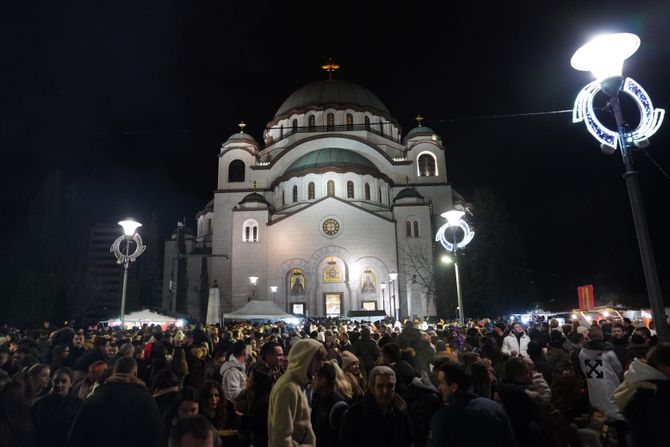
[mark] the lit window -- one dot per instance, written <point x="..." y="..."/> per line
<point x="350" y="189"/>
<point x="236" y="171"/>
<point x="330" y="121"/>
<point x="250" y="231"/>
<point x="367" y="191"/>
<point x="330" y="187"/>
<point x="310" y="191"/>
<point x="426" y="165"/>
<point x="350" y="121"/>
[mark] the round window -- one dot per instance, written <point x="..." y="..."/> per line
<point x="331" y="227"/>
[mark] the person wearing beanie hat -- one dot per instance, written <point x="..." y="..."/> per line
<point x="347" y="359"/>
<point x="351" y="368"/>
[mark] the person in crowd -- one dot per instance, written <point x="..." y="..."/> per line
<point x="60" y="356"/>
<point x="424" y="353"/>
<point x="620" y="344"/>
<point x="404" y="371"/>
<point x="233" y="371"/>
<point x="77" y="349"/>
<point x="6" y="362"/>
<point x="288" y="418"/>
<point x="259" y="387"/>
<point x="482" y="380"/>
<point x="98" y="422"/>
<point x="466" y="413"/>
<point x="164" y="388"/>
<point x="98" y="353"/>
<point x="192" y="431"/>
<point x="271" y="359"/>
<point x="639" y="343"/>
<point x="37" y="381"/>
<point x="423" y="400"/>
<point x="541" y="365"/>
<point x="16" y="428"/>
<point x="603" y="373"/>
<point x="498" y="333"/>
<point x="516" y="343"/>
<point x="352" y="371"/>
<point x="324" y="398"/>
<point x="644" y="395"/>
<point x="54" y="413"/>
<point x="557" y="354"/>
<point x="220" y="412"/>
<point x="381" y="418"/>
<point x="186" y="403"/>
<point x="366" y="350"/>
<point x="85" y="385"/>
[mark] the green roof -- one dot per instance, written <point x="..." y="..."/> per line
<point x="331" y="158"/>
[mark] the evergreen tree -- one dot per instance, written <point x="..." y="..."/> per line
<point x="204" y="288"/>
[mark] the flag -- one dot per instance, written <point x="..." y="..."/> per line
<point x="585" y="296"/>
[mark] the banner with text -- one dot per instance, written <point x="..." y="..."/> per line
<point x="586" y="298"/>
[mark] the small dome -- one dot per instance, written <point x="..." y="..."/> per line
<point x="254" y="197"/>
<point x="331" y="158"/>
<point x="408" y="193"/>
<point x="335" y="93"/>
<point x="241" y="136"/>
<point x="420" y="131"/>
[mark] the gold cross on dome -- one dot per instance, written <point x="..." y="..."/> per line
<point x="330" y="67"/>
<point x="418" y="119"/>
<point x="242" y="126"/>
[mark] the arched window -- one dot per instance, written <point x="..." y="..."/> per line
<point x="367" y="191"/>
<point x="379" y="192"/>
<point x="311" y="123"/>
<point x="350" y="189"/>
<point x="295" y="125"/>
<point x="295" y="194"/>
<point x="330" y="121"/>
<point x="283" y="198"/>
<point x="408" y="229"/>
<point x="209" y="226"/>
<point x="310" y="191"/>
<point x="416" y="228"/>
<point x="381" y="127"/>
<point x="330" y="187"/>
<point x="350" y="121"/>
<point x="367" y="123"/>
<point x="426" y="165"/>
<point x="250" y="231"/>
<point x="281" y="131"/>
<point x="236" y="171"/>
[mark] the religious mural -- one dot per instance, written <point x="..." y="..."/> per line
<point x="332" y="272"/>
<point x="368" y="282"/>
<point x="296" y="282"/>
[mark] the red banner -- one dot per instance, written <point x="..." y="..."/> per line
<point x="586" y="298"/>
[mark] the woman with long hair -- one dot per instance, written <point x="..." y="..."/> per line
<point x="16" y="428"/>
<point x="342" y="383"/>
<point x="220" y="413"/>
<point x="37" y="381"/>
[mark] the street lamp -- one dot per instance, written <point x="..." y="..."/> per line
<point x="604" y="56"/>
<point x="454" y="222"/>
<point x="125" y="257"/>
<point x="253" y="280"/>
<point x="383" y="287"/>
<point x="392" y="277"/>
<point x="273" y="289"/>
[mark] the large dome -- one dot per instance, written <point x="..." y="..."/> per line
<point x="331" y="158"/>
<point x="335" y="93"/>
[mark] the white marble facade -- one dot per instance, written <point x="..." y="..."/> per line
<point x="325" y="209"/>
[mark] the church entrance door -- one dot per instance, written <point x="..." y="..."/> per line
<point x="333" y="304"/>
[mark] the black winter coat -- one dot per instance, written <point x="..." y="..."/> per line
<point x="118" y="414"/>
<point x="326" y="436"/>
<point x="52" y="417"/>
<point x="647" y="413"/>
<point x="364" y="425"/>
<point x="422" y="404"/>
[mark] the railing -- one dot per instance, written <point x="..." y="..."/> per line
<point x="372" y="127"/>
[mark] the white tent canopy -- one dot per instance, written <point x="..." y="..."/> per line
<point x="259" y="310"/>
<point x="141" y="317"/>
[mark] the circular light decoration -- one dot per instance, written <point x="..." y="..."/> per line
<point x="331" y="227"/>
<point x="650" y="118"/>
<point x="453" y="246"/>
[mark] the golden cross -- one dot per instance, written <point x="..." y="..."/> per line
<point x="418" y="119"/>
<point x="330" y="67"/>
<point x="242" y="126"/>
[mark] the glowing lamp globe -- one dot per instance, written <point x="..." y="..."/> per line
<point x="393" y="276"/>
<point x="453" y="217"/>
<point x="382" y="285"/>
<point x="604" y="54"/>
<point x="273" y="289"/>
<point x="446" y="259"/>
<point x="129" y="227"/>
<point x="253" y="280"/>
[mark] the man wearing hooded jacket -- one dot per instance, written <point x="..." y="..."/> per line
<point x="289" y="423"/>
<point x="516" y="343"/>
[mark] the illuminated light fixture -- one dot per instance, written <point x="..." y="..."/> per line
<point x="393" y="276"/>
<point x="273" y="289"/>
<point x="253" y="280"/>
<point x="454" y="219"/>
<point x="446" y="259"/>
<point x="606" y="314"/>
<point x="574" y="316"/>
<point x="650" y="118"/>
<point x="604" y="54"/>
<point x="129" y="226"/>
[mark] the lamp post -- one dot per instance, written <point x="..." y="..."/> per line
<point x="382" y="285"/>
<point x="273" y="289"/>
<point x="454" y="222"/>
<point x="392" y="278"/>
<point x="253" y="280"/>
<point x="125" y="257"/>
<point x="604" y="56"/>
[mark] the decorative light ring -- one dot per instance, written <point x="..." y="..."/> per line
<point x="121" y="257"/>
<point x="650" y="118"/>
<point x="451" y="246"/>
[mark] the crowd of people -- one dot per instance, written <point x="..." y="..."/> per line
<point x="333" y="383"/>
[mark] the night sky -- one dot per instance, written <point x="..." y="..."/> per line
<point x="132" y="100"/>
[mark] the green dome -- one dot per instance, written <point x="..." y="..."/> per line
<point x="331" y="158"/>
<point x="420" y="131"/>
<point x="332" y="93"/>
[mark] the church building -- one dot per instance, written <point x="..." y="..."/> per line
<point x="335" y="211"/>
